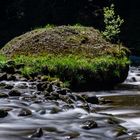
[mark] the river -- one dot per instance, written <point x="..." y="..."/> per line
<point x="122" y="104"/>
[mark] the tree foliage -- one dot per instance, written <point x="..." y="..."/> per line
<point x="112" y="22"/>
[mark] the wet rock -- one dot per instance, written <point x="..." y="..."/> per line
<point x="38" y="133"/>
<point x="41" y="86"/>
<point x="55" y="110"/>
<point x="67" y="107"/>
<point x="38" y="93"/>
<point x="2" y="85"/>
<point x="104" y="101"/>
<point x="57" y="82"/>
<point x="46" y="94"/>
<point x="89" y="124"/>
<point x="25" y="112"/>
<point x="3" y="76"/>
<point x="22" y="85"/>
<point x="14" y="92"/>
<point x="113" y="120"/>
<point x="72" y="96"/>
<point x="79" y="97"/>
<point x="3" y="113"/>
<point x="28" y="98"/>
<point x="133" y="79"/>
<point x="11" y="77"/>
<point x="84" y="106"/>
<point x="42" y="111"/>
<point x="63" y="91"/>
<point x="71" y="135"/>
<point x="66" y="99"/>
<point x="55" y="95"/>
<point x="3" y="95"/>
<point x="50" y="98"/>
<point x="49" y="88"/>
<point x="91" y="99"/>
<point x="8" y="86"/>
<point x="119" y="131"/>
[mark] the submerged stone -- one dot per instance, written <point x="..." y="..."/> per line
<point x="3" y="113"/>
<point x="38" y="133"/>
<point x="25" y="112"/>
<point x="89" y="124"/>
<point x="14" y="92"/>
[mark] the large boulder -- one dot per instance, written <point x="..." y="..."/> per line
<point x="106" y="63"/>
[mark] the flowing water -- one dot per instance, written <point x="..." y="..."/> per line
<point x="122" y="102"/>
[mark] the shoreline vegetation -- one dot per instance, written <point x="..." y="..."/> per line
<point x="76" y="55"/>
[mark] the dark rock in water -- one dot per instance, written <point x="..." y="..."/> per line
<point x="55" y="110"/>
<point x="8" y="86"/>
<point x="80" y="97"/>
<point x="25" y="112"/>
<point x="84" y="106"/>
<point x="71" y="135"/>
<point x="3" y="95"/>
<point x="72" y="96"/>
<point x="67" y="107"/>
<point x="3" y="113"/>
<point x="89" y="124"/>
<point x="49" y="88"/>
<point x="113" y="120"/>
<point x="3" y="76"/>
<point x="91" y="99"/>
<point x="14" y="92"/>
<point x="38" y="133"/>
<point x="63" y="91"/>
<point x="105" y="101"/>
<point x="44" y="86"/>
<point x="133" y="79"/>
<point x="11" y="77"/>
<point x="55" y="95"/>
<point x="42" y="111"/>
<point x="66" y="99"/>
<point x="2" y="85"/>
<point x="119" y="131"/>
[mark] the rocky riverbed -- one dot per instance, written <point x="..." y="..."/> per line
<point x="38" y="109"/>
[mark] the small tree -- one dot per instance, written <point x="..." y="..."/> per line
<point x="112" y="22"/>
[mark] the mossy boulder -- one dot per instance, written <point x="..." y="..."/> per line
<point x="60" y="40"/>
<point x="75" y="54"/>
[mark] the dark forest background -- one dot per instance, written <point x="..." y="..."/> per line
<point x="19" y="16"/>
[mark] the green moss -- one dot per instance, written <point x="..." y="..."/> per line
<point x="59" y="40"/>
<point x="3" y="60"/>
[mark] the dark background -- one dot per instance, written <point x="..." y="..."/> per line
<point x="19" y="16"/>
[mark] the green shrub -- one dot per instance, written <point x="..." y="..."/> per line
<point x="112" y="22"/>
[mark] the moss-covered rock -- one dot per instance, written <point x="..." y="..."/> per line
<point x="61" y="40"/>
<point x="75" y="54"/>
